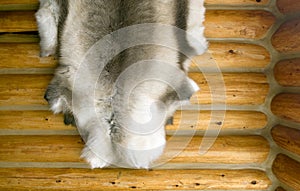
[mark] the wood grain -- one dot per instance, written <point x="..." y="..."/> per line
<point x="186" y="120"/>
<point x="23" y="89"/>
<point x="219" y="24"/>
<point x="238" y="24"/>
<point x="287" y="38"/>
<point x="287" y="106"/>
<point x="287" y="138"/>
<point x="32" y="120"/>
<point x="287" y="171"/>
<point x="67" y="148"/>
<point x="21" y="21"/>
<point x="233" y="55"/>
<point x="287" y="72"/>
<point x="288" y="6"/>
<point x="183" y="120"/>
<point x="23" y="55"/>
<point x="121" y="179"/>
<point x="237" y="2"/>
<point x="241" y="88"/>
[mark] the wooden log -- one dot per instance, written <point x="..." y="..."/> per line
<point x="14" y="2"/>
<point x="67" y="148"/>
<point x="23" y="55"/>
<point x="183" y="120"/>
<point x="238" y="24"/>
<point x="21" y="21"/>
<point x="286" y="39"/>
<point x="123" y="179"/>
<point x="186" y="120"/>
<point x="241" y="88"/>
<point x="219" y="24"/>
<point x="287" y="171"/>
<point x="18" y="5"/>
<point x="23" y="89"/>
<point x="236" y="2"/>
<point x="32" y="120"/>
<point x="287" y="106"/>
<point x="233" y="55"/>
<point x="287" y="138"/>
<point x="288" y="6"/>
<point x="226" y="55"/>
<point x="287" y="72"/>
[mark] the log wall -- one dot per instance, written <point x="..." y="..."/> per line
<point x="254" y="43"/>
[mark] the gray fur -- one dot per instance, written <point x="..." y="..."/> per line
<point x="79" y="24"/>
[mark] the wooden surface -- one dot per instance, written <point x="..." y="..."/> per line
<point x="241" y="88"/>
<point x="237" y="2"/>
<point x="22" y="21"/>
<point x="23" y="89"/>
<point x="288" y="6"/>
<point x="182" y="120"/>
<point x="287" y="170"/>
<point x="122" y="179"/>
<point x="287" y="106"/>
<point x="287" y="38"/>
<point x="25" y="55"/>
<point x="233" y="55"/>
<point x="67" y="148"/>
<point x="287" y="138"/>
<point x="237" y="24"/>
<point x="287" y="72"/>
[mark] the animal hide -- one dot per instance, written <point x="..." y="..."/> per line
<point x="122" y="71"/>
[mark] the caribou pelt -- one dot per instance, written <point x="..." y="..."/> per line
<point x="69" y="29"/>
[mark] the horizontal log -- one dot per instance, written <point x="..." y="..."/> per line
<point x="238" y="24"/>
<point x="287" y="72"/>
<point x="14" y="2"/>
<point x="236" y="2"/>
<point x="23" y="89"/>
<point x="233" y="55"/>
<point x="241" y="88"/>
<point x="226" y="55"/>
<point x="287" y="106"/>
<point x="123" y="179"/>
<point x="186" y="120"/>
<point x="63" y="148"/>
<point x="23" y="55"/>
<point x="219" y="24"/>
<point x="288" y="6"/>
<point x="32" y="120"/>
<point x="21" y="21"/>
<point x="19" y="38"/>
<point x="287" y="171"/>
<point x="286" y="39"/>
<point x="183" y="120"/>
<point x="287" y="138"/>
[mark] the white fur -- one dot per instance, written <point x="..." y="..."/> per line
<point x="57" y="107"/>
<point x="140" y="151"/>
<point x="47" y="20"/>
<point x="195" y="25"/>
